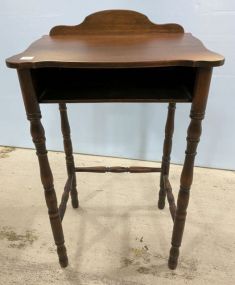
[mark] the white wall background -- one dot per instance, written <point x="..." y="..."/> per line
<point x="126" y="130"/>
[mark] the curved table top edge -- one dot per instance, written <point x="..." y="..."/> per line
<point x="211" y="59"/>
<point x="124" y="31"/>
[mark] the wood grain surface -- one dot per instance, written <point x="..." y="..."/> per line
<point x="116" y="39"/>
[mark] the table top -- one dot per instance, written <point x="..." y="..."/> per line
<point x="114" y="39"/>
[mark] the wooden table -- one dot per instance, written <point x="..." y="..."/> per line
<point x="116" y="56"/>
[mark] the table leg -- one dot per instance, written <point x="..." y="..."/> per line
<point x="193" y="137"/>
<point x="68" y="149"/>
<point x="169" y="130"/>
<point x="38" y="136"/>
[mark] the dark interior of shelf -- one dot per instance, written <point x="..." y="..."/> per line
<point x="163" y="84"/>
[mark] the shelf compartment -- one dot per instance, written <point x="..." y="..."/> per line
<point x="53" y="85"/>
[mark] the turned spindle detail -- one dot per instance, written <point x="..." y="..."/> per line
<point x="170" y="196"/>
<point x="65" y="196"/>
<point x="169" y="130"/>
<point x="38" y="137"/>
<point x="118" y="169"/>
<point x="193" y="138"/>
<point x="68" y="149"/>
<point x="116" y="56"/>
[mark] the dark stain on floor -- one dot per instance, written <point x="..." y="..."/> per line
<point x="17" y="240"/>
<point x="4" y="151"/>
<point x="142" y="260"/>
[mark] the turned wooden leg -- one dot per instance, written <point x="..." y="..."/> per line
<point x="68" y="149"/>
<point x="169" y="130"/>
<point x="38" y="136"/>
<point x="193" y="136"/>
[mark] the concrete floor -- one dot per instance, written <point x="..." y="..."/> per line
<point x="118" y="235"/>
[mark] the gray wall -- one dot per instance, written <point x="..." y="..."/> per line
<point x="129" y="130"/>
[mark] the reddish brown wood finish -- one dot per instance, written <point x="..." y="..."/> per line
<point x="169" y="130"/>
<point x="123" y="41"/>
<point x="65" y="196"/>
<point x="118" y="169"/>
<point x="120" y="51"/>
<point x="34" y="116"/>
<point x="116" y="39"/>
<point x="170" y="196"/>
<point x="194" y="132"/>
<point x="68" y="149"/>
<point x="115" y="22"/>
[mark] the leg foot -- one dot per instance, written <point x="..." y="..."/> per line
<point x="173" y="258"/>
<point x="161" y="199"/>
<point x="74" y="201"/>
<point x="169" y="130"/>
<point x="63" y="259"/>
<point x="74" y="193"/>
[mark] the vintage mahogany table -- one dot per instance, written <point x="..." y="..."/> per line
<point x="116" y="56"/>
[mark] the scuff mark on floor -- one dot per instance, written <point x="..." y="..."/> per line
<point x="17" y="240"/>
<point x="142" y="260"/>
<point x="4" y="151"/>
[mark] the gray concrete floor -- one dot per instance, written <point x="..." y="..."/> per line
<point x="118" y="235"/>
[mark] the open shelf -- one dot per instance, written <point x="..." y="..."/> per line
<point x="175" y="84"/>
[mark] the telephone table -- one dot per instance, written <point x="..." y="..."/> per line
<point x="116" y="56"/>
